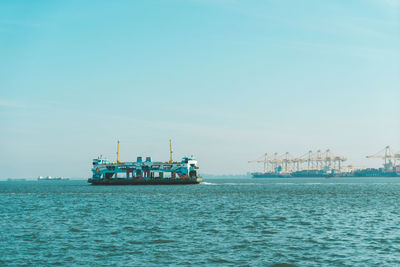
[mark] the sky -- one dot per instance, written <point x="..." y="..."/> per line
<point x="226" y="80"/>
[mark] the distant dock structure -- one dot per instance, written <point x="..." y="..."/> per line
<point x="390" y="157"/>
<point x="288" y="165"/>
<point x="323" y="163"/>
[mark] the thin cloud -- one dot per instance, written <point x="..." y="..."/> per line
<point x="391" y="2"/>
<point x="11" y="104"/>
<point x="19" y="23"/>
<point x="6" y="103"/>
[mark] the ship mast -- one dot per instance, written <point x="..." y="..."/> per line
<point x="170" y="151"/>
<point x="118" y="152"/>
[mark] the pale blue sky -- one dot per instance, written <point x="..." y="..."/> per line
<point x="226" y="80"/>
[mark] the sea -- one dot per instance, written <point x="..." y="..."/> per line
<point x="221" y="222"/>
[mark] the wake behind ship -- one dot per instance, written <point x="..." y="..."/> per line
<point x="146" y="172"/>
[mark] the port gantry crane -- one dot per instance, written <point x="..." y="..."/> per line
<point x="263" y="159"/>
<point x="270" y="162"/>
<point x="388" y="155"/>
<point x="313" y="161"/>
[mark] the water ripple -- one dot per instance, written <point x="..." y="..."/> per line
<point x="284" y="222"/>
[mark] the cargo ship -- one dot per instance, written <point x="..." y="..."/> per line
<point x="381" y="172"/>
<point x="49" y="178"/>
<point x="269" y="175"/>
<point x="303" y="173"/>
<point x="145" y="172"/>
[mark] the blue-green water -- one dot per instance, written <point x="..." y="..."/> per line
<point x="249" y="222"/>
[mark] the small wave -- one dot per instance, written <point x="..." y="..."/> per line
<point x="241" y="184"/>
<point x="75" y="230"/>
<point x="282" y="265"/>
<point x="206" y="183"/>
<point x="266" y="232"/>
<point x="134" y="242"/>
<point x="219" y="260"/>
<point x="162" y="241"/>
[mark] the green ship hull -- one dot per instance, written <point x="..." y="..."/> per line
<point x="156" y="181"/>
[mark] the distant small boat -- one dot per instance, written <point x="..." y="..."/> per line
<point x="49" y="178"/>
<point x="16" y="179"/>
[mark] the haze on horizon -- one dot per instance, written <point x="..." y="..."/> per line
<point x="226" y="80"/>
